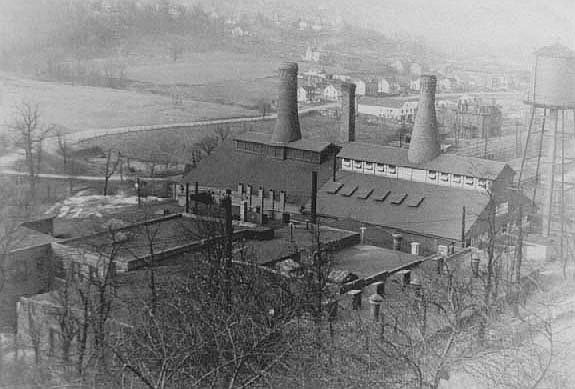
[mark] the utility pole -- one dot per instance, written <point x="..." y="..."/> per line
<point x="463" y="227"/>
<point x="187" y="207"/>
<point x="138" y="190"/>
<point x="313" y="197"/>
<point x="228" y="232"/>
<point x="196" y="191"/>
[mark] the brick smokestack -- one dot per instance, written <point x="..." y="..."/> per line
<point x="424" y="144"/>
<point x="347" y="125"/>
<point x="287" y="125"/>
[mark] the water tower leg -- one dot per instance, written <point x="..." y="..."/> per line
<point x="526" y="148"/>
<point x="539" y="152"/>
<point x="548" y="216"/>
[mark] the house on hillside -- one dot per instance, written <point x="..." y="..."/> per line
<point x="398" y="66"/>
<point x="331" y="93"/>
<point x="312" y="54"/>
<point x="307" y="94"/>
<point x="392" y="109"/>
<point x="359" y="87"/>
<point x="415" y="84"/>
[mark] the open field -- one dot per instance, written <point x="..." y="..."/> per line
<point x="205" y="68"/>
<point x="82" y="107"/>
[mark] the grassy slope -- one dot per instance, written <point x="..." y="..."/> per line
<point x="82" y="107"/>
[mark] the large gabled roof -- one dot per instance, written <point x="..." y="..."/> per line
<point x="425" y="209"/>
<point x="447" y="163"/>
<point x="225" y="168"/>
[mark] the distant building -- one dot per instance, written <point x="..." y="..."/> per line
<point x="312" y="54"/>
<point x="415" y="84"/>
<point x="359" y="87"/>
<point x="331" y="93"/>
<point x="393" y="109"/>
<point x="307" y="94"/>
<point x="398" y="66"/>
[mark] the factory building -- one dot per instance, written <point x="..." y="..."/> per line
<point x="272" y="172"/>
<point x="438" y="200"/>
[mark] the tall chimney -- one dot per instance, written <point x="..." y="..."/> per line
<point x="287" y="124"/>
<point x="424" y="144"/>
<point x="347" y="125"/>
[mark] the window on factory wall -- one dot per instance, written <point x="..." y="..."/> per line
<point x="346" y="163"/>
<point x="482" y="184"/>
<point x="392" y="169"/>
<point x="457" y="179"/>
<point x="444" y="177"/>
<point x="432" y="174"/>
<point x="357" y="165"/>
<point x="469" y="181"/>
<point x="369" y="167"/>
<point x="276" y="152"/>
<point x="380" y="168"/>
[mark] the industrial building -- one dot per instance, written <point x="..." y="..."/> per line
<point x="432" y="198"/>
<point x="273" y="172"/>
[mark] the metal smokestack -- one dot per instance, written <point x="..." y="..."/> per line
<point x="424" y="144"/>
<point x="347" y="125"/>
<point x="287" y="124"/>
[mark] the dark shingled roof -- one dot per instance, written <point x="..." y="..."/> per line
<point x="225" y="168"/>
<point x="438" y="214"/>
<point x="447" y="163"/>
<point x="301" y="144"/>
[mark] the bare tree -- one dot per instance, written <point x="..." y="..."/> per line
<point x="208" y="144"/>
<point x="29" y="135"/>
<point x="112" y="162"/>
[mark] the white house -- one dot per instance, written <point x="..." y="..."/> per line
<point x="312" y="54"/>
<point x="359" y="87"/>
<point x="415" y="85"/>
<point x="331" y="93"/>
<point x="386" y="86"/>
<point x="392" y="109"/>
<point x="306" y="94"/>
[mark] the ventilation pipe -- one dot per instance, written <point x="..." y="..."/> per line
<point x="287" y="125"/>
<point x="424" y="145"/>
<point x="397" y="241"/>
<point x="415" y="248"/>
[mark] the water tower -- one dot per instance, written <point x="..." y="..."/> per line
<point x="552" y="104"/>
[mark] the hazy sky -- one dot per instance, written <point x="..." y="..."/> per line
<point x="501" y="26"/>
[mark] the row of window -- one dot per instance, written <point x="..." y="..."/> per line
<point x="418" y="175"/>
